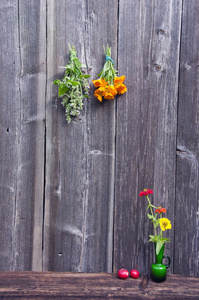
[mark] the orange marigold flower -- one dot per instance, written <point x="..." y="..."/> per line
<point x="108" y="95"/>
<point x="104" y="82"/>
<point x="98" y="96"/>
<point x="119" y="79"/>
<point x="99" y="93"/>
<point x="97" y="82"/>
<point x="112" y="90"/>
<point x="100" y="82"/>
<point x="121" y="88"/>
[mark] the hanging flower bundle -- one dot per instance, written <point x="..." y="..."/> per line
<point x="109" y="85"/>
<point x="73" y="87"/>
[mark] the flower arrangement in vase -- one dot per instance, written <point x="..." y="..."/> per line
<point x="160" y="224"/>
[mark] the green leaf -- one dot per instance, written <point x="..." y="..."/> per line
<point x="57" y="82"/>
<point x="165" y="240"/>
<point x="99" y="75"/>
<point x="77" y="62"/>
<point x="86" y="96"/>
<point x="153" y="206"/>
<point x="147" y="207"/>
<point x="84" y="76"/>
<point x="159" y="245"/>
<point x="62" y="90"/>
<point x="74" y="83"/>
<point x="150" y="216"/>
<point x="156" y="223"/>
<point x="153" y="238"/>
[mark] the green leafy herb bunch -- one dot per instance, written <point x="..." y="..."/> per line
<point x="73" y="87"/>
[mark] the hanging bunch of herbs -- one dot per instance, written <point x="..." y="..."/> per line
<point x="73" y="87"/>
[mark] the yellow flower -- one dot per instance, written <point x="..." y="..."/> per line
<point x="165" y="224"/>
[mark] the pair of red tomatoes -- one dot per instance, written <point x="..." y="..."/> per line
<point x="123" y="273"/>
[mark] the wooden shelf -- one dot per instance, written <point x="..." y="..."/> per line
<point x="56" y="285"/>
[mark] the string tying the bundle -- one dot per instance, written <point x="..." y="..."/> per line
<point x="109" y="58"/>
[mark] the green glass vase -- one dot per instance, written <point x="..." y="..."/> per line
<point x="158" y="269"/>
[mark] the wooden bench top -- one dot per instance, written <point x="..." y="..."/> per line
<point x="57" y="285"/>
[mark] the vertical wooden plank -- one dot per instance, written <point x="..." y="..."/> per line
<point x="187" y="204"/>
<point x="9" y="106"/>
<point x="80" y="155"/>
<point x="22" y="141"/>
<point x="149" y="41"/>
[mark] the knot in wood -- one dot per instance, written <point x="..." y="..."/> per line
<point x="158" y="67"/>
<point x="161" y="31"/>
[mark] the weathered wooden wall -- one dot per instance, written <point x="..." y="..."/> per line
<point x="69" y="193"/>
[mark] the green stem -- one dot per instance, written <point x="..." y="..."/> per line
<point x="151" y="212"/>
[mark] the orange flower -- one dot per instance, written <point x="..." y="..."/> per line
<point x="119" y="79"/>
<point x="100" y="82"/>
<point x="99" y="97"/>
<point x="97" y="82"/>
<point x="121" y="88"/>
<point x="110" y="92"/>
<point x="108" y="95"/>
<point x="101" y="90"/>
<point x="160" y="210"/>
<point x="99" y="93"/>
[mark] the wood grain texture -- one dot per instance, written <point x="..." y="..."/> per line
<point x="94" y="168"/>
<point x="149" y="40"/>
<point x="187" y="193"/>
<point x="80" y="155"/>
<point x="56" y="285"/>
<point x="10" y="108"/>
<point x="23" y="51"/>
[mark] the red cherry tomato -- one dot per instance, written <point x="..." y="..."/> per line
<point x="123" y="273"/>
<point x="134" y="274"/>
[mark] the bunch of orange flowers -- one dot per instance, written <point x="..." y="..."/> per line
<point x="109" y="91"/>
<point x="109" y="85"/>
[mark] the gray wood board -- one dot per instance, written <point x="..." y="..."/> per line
<point x="187" y="194"/>
<point x="149" y="42"/>
<point x="80" y="155"/>
<point x="94" y="168"/>
<point x="62" y="285"/>
<point x="22" y="135"/>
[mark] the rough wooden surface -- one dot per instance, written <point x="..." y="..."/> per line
<point x="69" y="193"/>
<point x="80" y="155"/>
<point x="54" y="285"/>
<point x="23" y="78"/>
<point x="187" y="177"/>
<point x="146" y="123"/>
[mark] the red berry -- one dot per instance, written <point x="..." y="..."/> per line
<point x="123" y="273"/>
<point x="134" y="274"/>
